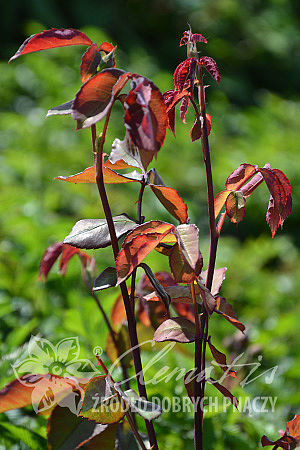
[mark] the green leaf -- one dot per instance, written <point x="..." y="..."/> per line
<point x="178" y="329"/>
<point x="106" y="279"/>
<point x="94" y="233"/>
<point x="157" y="285"/>
<point x="31" y="439"/>
<point x="148" y="410"/>
<point x="101" y="403"/>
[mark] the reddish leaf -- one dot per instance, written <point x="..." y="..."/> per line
<point x="152" y="226"/>
<point x="49" y="258"/>
<point x="146" y="115"/>
<point x="273" y="216"/>
<point x="280" y="443"/>
<point x="199" y="38"/>
<point x="226" y="310"/>
<point x="278" y="190"/>
<point x="106" y="47"/>
<point x="28" y="388"/>
<point x="137" y="246"/>
<point x="221" y="359"/>
<point x="172" y="201"/>
<point x="188" y="240"/>
<point x="211" y="66"/>
<point x="220" y="201"/>
<point x="67" y="253"/>
<point x="181" y="270"/>
<point x="184" y="109"/>
<point x="178" y="329"/>
<point x="94" y="99"/>
<point x="293" y="427"/>
<point x="239" y="175"/>
<point x="196" y="131"/>
<point x="235" y="206"/>
<point x="118" y="313"/>
<point x="185" y="71"/>
<point x="224" y="391"/>
<point x="208" y="124"/>
<point x="89" y="62"/>
<point x="50" y="39"/>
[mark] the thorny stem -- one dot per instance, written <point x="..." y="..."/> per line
<point x="128" y="413"/>
<point x="129" y="312"/>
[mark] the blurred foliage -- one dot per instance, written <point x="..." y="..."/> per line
<point x="255" y="119"/>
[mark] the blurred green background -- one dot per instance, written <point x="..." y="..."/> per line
<point x="255" y="112"/>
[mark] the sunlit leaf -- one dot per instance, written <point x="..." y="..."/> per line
<point x="146" y="115"/>
<point x="89" y="62"/>
<point x="239" y="175"/>
<point x="178" y="329"/>
<point x="94" y="233"/>
<point x="51" y="39"/>
<point x="94" y="99"/>
<point x="101" y="403"/>
<point x="188" y="240"/>
<point x="220" y="201"/>
<point x="235" y="206"/>
<point x="218" y="278"/>
<point x="64" y="109"/>
<point x="211" y="66"/>
<point x="226" y="310"/>
<point x="137" y="246"/>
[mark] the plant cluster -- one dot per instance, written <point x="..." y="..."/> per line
<point x="178" y="305"/>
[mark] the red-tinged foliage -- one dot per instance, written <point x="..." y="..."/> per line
<point x="184" y="109"/>
<point x="177" y="329"/>
<point x="89" y="62"/>
<point x="94" y="99"/>
<point x="196" y="131"/>
<point x="239" y="176"/>
<point x="188" y="36"/>
<point x="275" y="186"/>
<point x="221" y="359"/>
<point x="67" y="252"/>
<point x="180" y="268"/>
<point x="184" y="74"/>
<point x="51" y="39"/>
<point x="208" y="124"/>
<point x="235" y="206"/>
<point x="48" y="259"/>
<point x="290" y="439"/>
<point x="220" y="200"/>
<point x="118" y="313"/>
<point x="146" y="115"/>
<point x="212" y="68"/>
<point x="136" y="247"/>
<point x="28" y="388"/>
<point x="106" y="47"/>
<point x="172" y="201"/>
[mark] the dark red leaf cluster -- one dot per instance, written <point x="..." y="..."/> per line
<point x="243" y="181"/>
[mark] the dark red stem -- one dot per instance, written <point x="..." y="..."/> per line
<point x="129" y="312"/>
